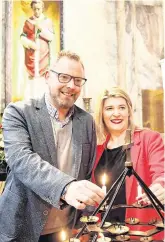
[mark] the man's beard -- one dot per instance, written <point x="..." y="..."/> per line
<point x="58" y="103"/>
<point x="61" y="104"/>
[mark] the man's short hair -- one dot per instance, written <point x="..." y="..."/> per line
<point x="36" y="1"/>
<point x="70" y="55"/>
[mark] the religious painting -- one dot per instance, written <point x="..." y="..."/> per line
<point x="36" y="31"/>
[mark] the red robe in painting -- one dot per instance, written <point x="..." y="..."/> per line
<point x="38" y="61"/>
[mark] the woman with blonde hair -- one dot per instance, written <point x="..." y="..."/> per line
<point x="114" y="116"/>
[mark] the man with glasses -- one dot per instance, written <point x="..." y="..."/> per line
<point x="50" y="148"/>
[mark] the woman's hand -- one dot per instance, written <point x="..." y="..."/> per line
<point x="158" y="190"/>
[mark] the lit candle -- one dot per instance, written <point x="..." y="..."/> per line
<point x="103" y="183"/>
<point x="139" y="191"/>
<point x="64" y="236"/>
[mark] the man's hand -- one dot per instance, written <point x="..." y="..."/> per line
<point x="158" y="191"/>
<point x="33" y="45"/>
<point x="28" y="44"/>
<point x="82" y="193"/>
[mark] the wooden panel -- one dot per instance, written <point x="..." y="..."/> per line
<point x="153" y="110"/>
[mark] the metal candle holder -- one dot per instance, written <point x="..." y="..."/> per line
<point x="128" y="171"/>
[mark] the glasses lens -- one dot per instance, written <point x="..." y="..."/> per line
<point x="64" y="78"/>
<point x="79" y="81"/>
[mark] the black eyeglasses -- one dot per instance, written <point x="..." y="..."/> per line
<point x="65" y="78"/>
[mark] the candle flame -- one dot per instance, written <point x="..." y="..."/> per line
<point x="63" y="235"/>
<point x="104" y="179"/>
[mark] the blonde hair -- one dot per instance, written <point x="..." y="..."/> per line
<point x="70" y="55"/>
<point x="101" y="130"/>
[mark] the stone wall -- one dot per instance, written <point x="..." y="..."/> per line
<point x="90" y="30"/>
<point x="121" y="43"/>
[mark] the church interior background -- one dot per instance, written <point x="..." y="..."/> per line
<point x="121" y="44"/>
